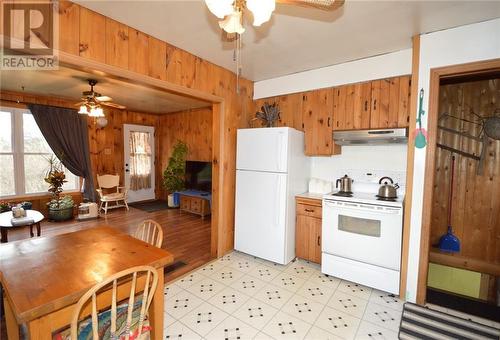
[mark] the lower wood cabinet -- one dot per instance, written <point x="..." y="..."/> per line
<point x="308" y="229"/>
<point x="195" y="205"/>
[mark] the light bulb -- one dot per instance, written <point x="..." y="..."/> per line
<point x="83" y="110"/>
<point x="232" y="23"/>
<point x="220" y="8"/>
<point x="261" y="10"/>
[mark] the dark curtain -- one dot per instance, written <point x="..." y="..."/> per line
<point x="67" y="135"/>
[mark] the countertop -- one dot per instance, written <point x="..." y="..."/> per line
<point x="310" y="195"/>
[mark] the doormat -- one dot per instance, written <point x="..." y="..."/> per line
<point x="174" y="266"/>
<point x="150" y="206"/>
<point x="423" y="323"/>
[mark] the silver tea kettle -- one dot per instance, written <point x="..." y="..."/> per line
<point x="387" y="190"/>
<point x="345" y="184"/>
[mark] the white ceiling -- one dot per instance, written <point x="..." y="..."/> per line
<point x="296" y="38"/>
<point x="69" y="83"/>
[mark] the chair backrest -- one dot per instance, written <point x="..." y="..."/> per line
<point x="90" y="297"/>
<point x="108" y="181"/>
<point x="151" y="232"/>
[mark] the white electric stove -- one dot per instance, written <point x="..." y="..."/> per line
<point x="362" y="237"/>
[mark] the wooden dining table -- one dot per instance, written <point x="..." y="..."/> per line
<point x="43" y="278"/>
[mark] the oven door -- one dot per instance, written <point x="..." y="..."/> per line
<point x="363" y="232"/>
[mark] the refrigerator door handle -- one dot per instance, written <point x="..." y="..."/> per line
<point x="278" y="202"/>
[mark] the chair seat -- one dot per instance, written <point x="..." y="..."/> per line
<point x="113" y="196"/>
<point x="104" y="321"/>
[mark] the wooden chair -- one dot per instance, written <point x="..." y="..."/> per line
<point x="151" y="232"/>
<point x="110" y="182"/>
<point x="86" y="314"/>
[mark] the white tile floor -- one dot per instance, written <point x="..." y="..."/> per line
<point x="242" y="297"/>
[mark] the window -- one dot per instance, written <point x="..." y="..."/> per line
<point x="24" y="155"/>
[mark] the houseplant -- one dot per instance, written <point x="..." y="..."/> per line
<point x="173" y="176"/>
<point x="60" y="207"/>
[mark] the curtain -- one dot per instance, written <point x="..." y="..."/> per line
<point x="140" y="160"/>
<point x="66" y="133"/>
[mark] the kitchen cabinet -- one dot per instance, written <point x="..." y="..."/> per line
<point x="308" y="229"/>
<point x="317" y="118"/>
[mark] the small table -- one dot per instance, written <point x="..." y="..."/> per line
<point x="5" y="223"/>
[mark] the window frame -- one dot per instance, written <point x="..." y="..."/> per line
<point x="18" y="155"/>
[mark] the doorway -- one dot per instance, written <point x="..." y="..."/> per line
<point x="461" y="192"/>
<point x="139" y="159"/>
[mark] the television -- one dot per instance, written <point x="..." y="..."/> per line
<point x="199" y="176"/>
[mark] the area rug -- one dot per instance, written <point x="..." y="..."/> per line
<point x="423" y="323"/>
<point x="150" y="206"/>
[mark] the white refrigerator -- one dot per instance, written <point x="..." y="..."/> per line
<point x="271" y="169"/>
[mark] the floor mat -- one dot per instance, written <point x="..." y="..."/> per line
<point x="151" y="206"/>
<point x="423" y="323"/>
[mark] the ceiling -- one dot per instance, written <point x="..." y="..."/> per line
<point x="69" y="83"/>
<point x="296" y="38"/>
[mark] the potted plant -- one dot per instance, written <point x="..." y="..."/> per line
<point x="60" y="207"/>
<point x="174" y="174"/>
<point x="4" y="206"/>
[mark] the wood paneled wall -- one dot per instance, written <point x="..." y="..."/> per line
<point x="194" y="127"/>
<point x="476" y="197"/>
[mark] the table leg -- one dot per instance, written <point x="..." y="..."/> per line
<point x="3" y="235"/>
<point x="10" y="320"/>
<point x="40" y="329"/>
<point x="31" y="231"/>
<point x="38" y="229"/>
<point x="156" y="310"/>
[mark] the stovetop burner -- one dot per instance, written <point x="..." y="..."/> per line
<point x="343" y="193"/>
<point x="386" y="199"/>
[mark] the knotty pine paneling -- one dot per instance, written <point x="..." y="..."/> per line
<point x="117" y="42"/>
<point x="92" y="35"/>
<point x="290" y="110"/>
<point x="69" y="27"/>
<point x="476" y="200"/>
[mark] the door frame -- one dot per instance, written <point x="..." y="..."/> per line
<point x="141" y="128"/>
<point x="430" y="162"/>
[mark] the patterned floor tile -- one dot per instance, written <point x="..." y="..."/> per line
<point x="227" y="275"/>
<point x="171" y="290"/>
<point x="284" y="326"/>
<point x="277" y="266"/>
<point x="189" y="279"/>
<point x="168" y="319"/>
<point x="211" y="268"/>
<point x="229" y="300"/>
<point x="182" y="303"/>
<point x="264" y="273"/>
<point x="303" y="308"/>
<point x="316" y="333"/>
<point x="348" y="304"/>
<point x="273" y="295"/>
<point x="288" y="281"/>
<point x="369" y="331"/>
<point x="206" y="288"/>
<point x="263" y="336"/>
<point x="338" y="323"/>
<point x="204" y="318"/>
<point x="355" y="289"/>
<point x="255" y="313"/>
<point x="386" y="299"/>
<point x="325" y="280"/>
<point x="301" y="270"/>
<point x="248" y="284"/>
<point x="317" y="292"/>
<point x="179" y="331"/>
<point x="232" y="329"/>
<point x="382" y="316"/>
<point x="244" y="264"/>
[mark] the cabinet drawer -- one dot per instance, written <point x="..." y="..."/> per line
<point x="196" y="206"/>
<point x="308" y="210"/>
<point x="185" y="203"/>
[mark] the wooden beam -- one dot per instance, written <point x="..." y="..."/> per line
<point x="409" y="166"/>
<point x="462" y="262"/>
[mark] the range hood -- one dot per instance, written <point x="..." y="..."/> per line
<point x="371" y="137"/>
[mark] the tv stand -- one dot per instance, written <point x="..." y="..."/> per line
<point x="195" y="202"/>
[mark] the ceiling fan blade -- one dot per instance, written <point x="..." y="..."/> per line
<point x="325" y="5"/>
<point x="116" y="106"/>
<point x="79" y="104"/>
<point x="104" y="99"/>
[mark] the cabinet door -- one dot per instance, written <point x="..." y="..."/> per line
<point x="352" y="106"/>
<point x="317" y="112"/>
<point x="390" y="103"/>
<point x="308" y="238"/>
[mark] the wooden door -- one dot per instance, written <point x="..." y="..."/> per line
<point x="317" y="116"/>
<point x="308" y="238"/>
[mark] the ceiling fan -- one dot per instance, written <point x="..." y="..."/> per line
<point x="231" y="11"/>
<point x="92" y="101"/>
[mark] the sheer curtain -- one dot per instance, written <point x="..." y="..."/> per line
<point x="140" y="160"/>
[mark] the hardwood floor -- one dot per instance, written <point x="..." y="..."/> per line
<point x="185" y="235"/>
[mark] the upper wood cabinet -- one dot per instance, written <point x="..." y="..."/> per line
<point x="317" y="117"/>
<point x="376" y="104"/>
